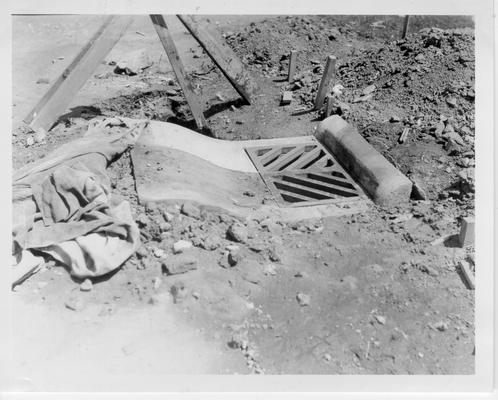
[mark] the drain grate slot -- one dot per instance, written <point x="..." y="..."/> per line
<point x="303" y="174"/>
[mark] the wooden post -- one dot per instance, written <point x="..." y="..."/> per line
<point x="327" y="77"/>
<point x="406" y="22"/>
<point x="292" y="65"/>
<point x="222" y="55"/>
<point x="170" y="48"/>
<point x="63" y="90"/>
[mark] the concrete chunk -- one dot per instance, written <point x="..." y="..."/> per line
<point x="467" y="229"/>
<point x="381" y="180"/>
<point x="286" y="97"/>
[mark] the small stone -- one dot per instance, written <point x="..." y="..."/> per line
<point x="269" y="269"/>
<point x="181" y="246"/>
<point x="232" y="247"/>
<point x="451" y="101"/>
<point x="167" y="216"/>
<point x="159" y="253"/>
<point x="178" y="291"/>
<point x="394" y="118"/>
<point x="75" y="303"/>
<point x="380" y="319"/>
<point x="165" y="227"/>
<point x="234" y="258"/>
<point x="86" y="285"/>
<point x="249" y="193"/>
<point x="303" y="299"/>
<point x="452" y="135"/>
<point x="196" y="295"/>
<point x="156" y="283"/>
<point x="239" y="340"/>
<point x="368" y="90"/>
<point x="274" y="254"/>
<point x="327" y="357"/>
<point x="333" y="34"/>
<point x="30" y="141"/>
<point x="300" y="274"/>
<point x="360" y="99"/>
<point x="237" y="233"/>
<point x="211" y="242"/>
<point x="142" y="252"/>
<point x="190" y="210"/>
<point x="441" y="326"/>
<point x="420" y="57"/>
<point x="429" y="270"/>
<point x="142" y="220"/>
<point x="452" y="147"/>
<point x="179" y="264"/>
<point x="439" y="129"/>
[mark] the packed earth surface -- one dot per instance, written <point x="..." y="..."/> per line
<point x="378" y="292"/>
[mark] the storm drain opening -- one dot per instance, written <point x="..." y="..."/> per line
<point x="303" y="174"/>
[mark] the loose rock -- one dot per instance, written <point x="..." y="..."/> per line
<point x="237" y="233"/>
<point x="86" y="285"/>
<point x="303" y="299"/>
<point x="191" y="211"/>
<point x="181" y="246"/>
<point x="178" y="291"/>
<point x="75" y="303"/>
<point x="179" y="264"/>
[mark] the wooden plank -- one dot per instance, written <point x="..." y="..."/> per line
<point x="292" y="64"/>
<point x="29" y="118"/>
<point x="222" y="55"/>
<point x="72" y="79"/>
<point x="28" y="266"/>
<point x="406" y="23"/>
<point x="327" y="77"/>
<point x="177" y="65"/>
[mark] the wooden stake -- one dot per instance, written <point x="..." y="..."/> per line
<point x="330" y="103"/>
<point x="63" y="90"/>
<point x="170" y="48"/>
<point x="292" y="65"/>
<point x="222" y="55"/>
<point x="404" y="135"/>
<point x="406" y="22"/>
<point x="467" y="274"/>
<point x="327" y="77"/>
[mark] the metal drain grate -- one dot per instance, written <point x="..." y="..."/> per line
<point x="303" y="174"/>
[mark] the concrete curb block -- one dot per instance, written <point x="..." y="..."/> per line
<point x="382" y="181"/>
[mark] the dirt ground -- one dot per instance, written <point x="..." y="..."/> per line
<point x="374" y="293"/>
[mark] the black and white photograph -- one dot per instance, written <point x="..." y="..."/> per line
<point x="243" y="194"/>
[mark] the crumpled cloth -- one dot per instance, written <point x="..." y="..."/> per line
<point x="62" y="205"/>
